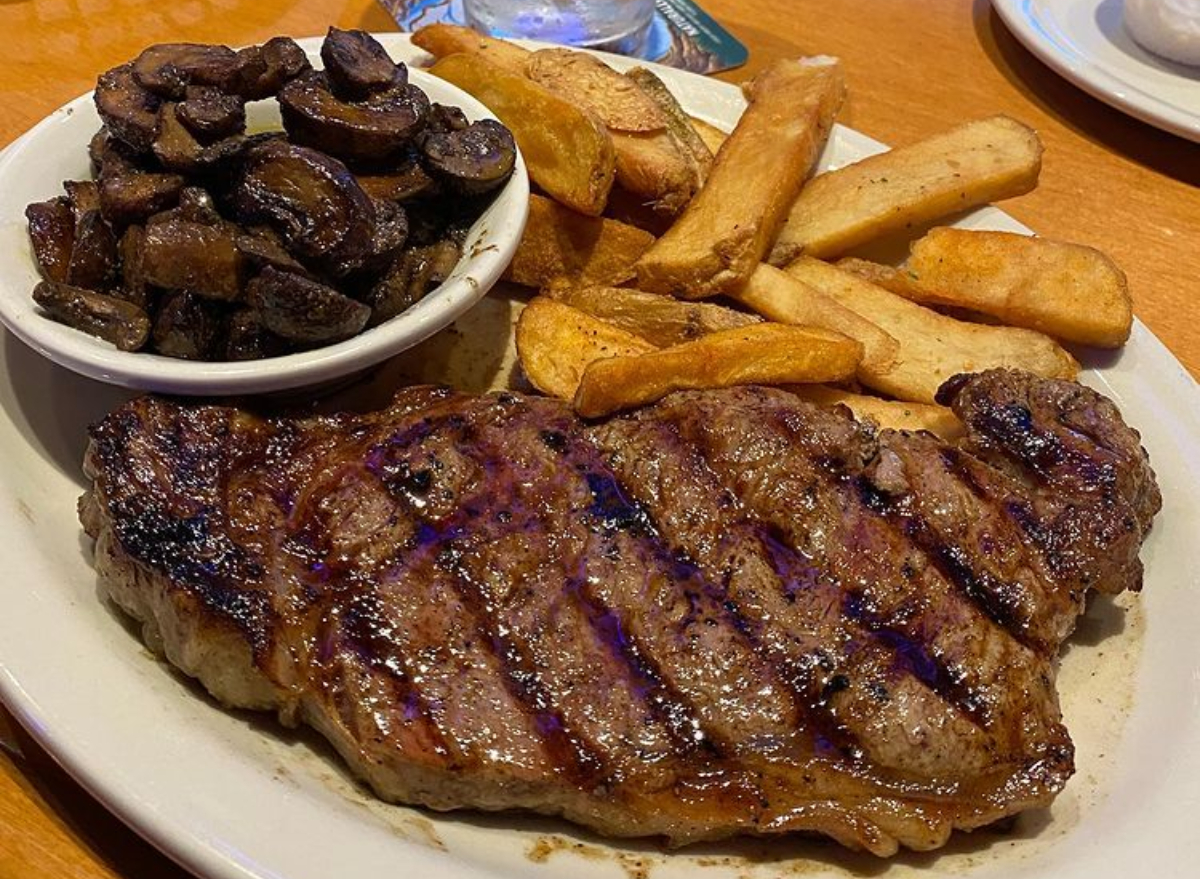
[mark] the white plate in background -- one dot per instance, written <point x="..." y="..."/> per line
<point x="1086" y="42"/>
<point x="233" y="796"/>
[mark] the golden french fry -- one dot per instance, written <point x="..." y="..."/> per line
<point x="780" y="297"/>
<point x="557" y="241"/>
<point x="556" y="342"/>
<point x="763" y="353"/>
<point x="568" y="152"/>
<point x="727" y="228"/>
<point x="888" y="277"/>
<point x="617" y="101"/>
<point x="440" y="40"/>
<point x="651" y="162"/>
<point x="933" y="347"/>
<point x="661" y="320"/>
<point x="714" y="138"/>
<point x="1068" y="291"/>
<point x="893" y="414"/>
<point x="962" y="168"/>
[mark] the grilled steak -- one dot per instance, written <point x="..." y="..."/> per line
<point x="731" y="612"/>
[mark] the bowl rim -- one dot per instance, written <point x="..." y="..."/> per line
<point x="490" y="245"/>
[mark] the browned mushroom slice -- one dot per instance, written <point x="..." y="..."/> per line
<point x="263" y="247"/>
<point x="445" y="117"/>
<point x="167" y="69"/>
<point x="84" y="196"/>
<point x="179" y="255"/>
<point x="94" y="253"/>
<point x="210" y="114"/>
<point x="377" y="127"/>
<point x="247" y="339"/>
<point x="476" y="159"/>
<point x="133" y="196"/>
<point x="391" y="231"/>
<point x="179" y="150"/>
<point x="264" y="70"/>
<point x="132" y="250"/>
<point x="52" y="234"/>
<point x="305" y="311"/>
<point x="187" y="326"/>
<point x="129" y="111"/>
<point x="197" y="206"/>
<point x="110" y="318"/>
<point x="358" y="66"/>
<point x="408" y="180"/>
<point x="112" y="156"/>
<point x="310" y="199"/>
<point x="413" y="274"/>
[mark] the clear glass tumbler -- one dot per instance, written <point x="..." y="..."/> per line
<point x="614" y="25"/>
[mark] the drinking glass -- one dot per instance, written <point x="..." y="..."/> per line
<point x="613" y="25"/>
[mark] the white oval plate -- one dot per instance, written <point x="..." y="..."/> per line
<point x="1086" y="42"/>
<point x="33" y="169"/>
<point x="232" y="796"/>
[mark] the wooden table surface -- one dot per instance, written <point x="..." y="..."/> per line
<point x="914" y="67"/>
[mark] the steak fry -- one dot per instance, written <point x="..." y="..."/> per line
<point x="733" y="612"/>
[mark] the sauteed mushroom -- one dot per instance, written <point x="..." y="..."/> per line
<point x="129" y="111"/>
<point x="311" y="199"/>
<point x="475" y="159"/>
<point x="373" y="128"/>
<point x="305" y="311"/>
<point x="358" y="66"/>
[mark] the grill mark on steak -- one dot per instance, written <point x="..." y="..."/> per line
<point x="577" y="759"/>
<point x="462" y="592"/>
<point x="992" y="597"/>
<point x="822" y="469"/>
<point x="807" y="680"/>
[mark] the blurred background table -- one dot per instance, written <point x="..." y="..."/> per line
<point x="915" y="67"/>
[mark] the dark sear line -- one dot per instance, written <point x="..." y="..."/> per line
<point x="809" y="681"/>
<point x="613" y="519"/>
<point x="438" y="542"/>
<point x="674" y="711"/>
<point x="949" y="560"/>
<point x="477" y="524"/>
<point x="911" y="654"/>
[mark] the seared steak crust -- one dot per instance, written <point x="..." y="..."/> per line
<point x="731" y="612"/>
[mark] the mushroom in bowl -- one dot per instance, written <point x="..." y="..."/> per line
<point x="209" y="244"/>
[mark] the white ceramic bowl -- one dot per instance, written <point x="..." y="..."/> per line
<point x="33" y="169"/>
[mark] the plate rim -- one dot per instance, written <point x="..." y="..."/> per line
<point x="1094" y="78"/>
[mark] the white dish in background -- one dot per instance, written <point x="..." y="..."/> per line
<point x="33" y="169"/>
<point x="233" y="796"/>
<point x="1086" y="42"/>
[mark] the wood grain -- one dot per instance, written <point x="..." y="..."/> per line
<point x="914" y="67"/>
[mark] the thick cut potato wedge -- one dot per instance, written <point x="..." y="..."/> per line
<point x="780" y="297"/>
<point x="714" y="138"/>
<point x="893" y="414"/>
<point x="899" y="281"/>
<point x="569" y="153"/>
<point x="760" y="354"/>
<point x="557" y="241"/>
<point x="965" y="167"/>
<point x="556" y="342"/>
<point x="661" y="320"/>
<point x="440" y="40"/>
<point x="727" y="228"/>
<point x="678" y="121"/>
<point x="933" y="347"/>
<point x="1068" y="291"/>
<point x="651" y="163"/>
